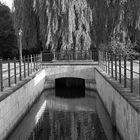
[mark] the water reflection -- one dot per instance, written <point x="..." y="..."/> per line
<point x="53" y="118"/>
<point x="58" y="125"/>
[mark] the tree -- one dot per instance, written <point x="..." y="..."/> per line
<point x="8" y="40"/>
<point x="80" y="24"/>
<point x="57" y="23"/>
<point x="26" y="19"/>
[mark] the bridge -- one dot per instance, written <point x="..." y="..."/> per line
<point x="119" y="102"/>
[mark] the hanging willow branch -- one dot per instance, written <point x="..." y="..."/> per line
<point x="77" y="24"/>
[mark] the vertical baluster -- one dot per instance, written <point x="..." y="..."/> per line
<point x="20" y="72"/>
<point x="24" y="59"/>
<point x="125" y="82"/>
<point x="53" y="54"/>
<point x="34" y="61"/>
<point x="1" y="75"/>
<point x="41" y="59"/>
<point x="37" y="62"/>
<point x="108" y="63"/>
<point x="31" y="63"/>
<point x="139" y="77"/>
<point x="120" y="73"/>
<point x="15" y="69"/>
<point x="102" y="60"/>
<point x="9" y="76"/>
<point x="131" y="74"/>
<point x="115" y="67"/>
<point x="111" y="64"/>
<point x="28" y="65"/>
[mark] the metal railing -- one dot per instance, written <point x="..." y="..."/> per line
<point x="71" y="55"/>
<point x="13" y="71"/>
<point x="122" y="68"/>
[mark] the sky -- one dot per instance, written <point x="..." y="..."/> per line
<point x="8" y="3"/>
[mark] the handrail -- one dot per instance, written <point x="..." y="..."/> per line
<point x="17" y="70"/>
<point x="122" y="68"/>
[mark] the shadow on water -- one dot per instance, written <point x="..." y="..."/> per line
<point x="54" y="118"/>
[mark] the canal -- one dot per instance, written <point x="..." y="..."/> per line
<point x="55" y="118"/>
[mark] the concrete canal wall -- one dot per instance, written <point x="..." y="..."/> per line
<point x="122" y="106"/>
<point x="15" y="101"/>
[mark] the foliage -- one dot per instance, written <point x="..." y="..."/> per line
<point x="79" y="24"/>
<point x="117" y="24"/>
<point x="60" y="24"/>
<point x="122" y="48"/>
<point x="8" y="41"/>
<point x="25" y="19"/>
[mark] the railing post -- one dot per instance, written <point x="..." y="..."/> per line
<point x="37" y="61"/>
<point x="111" y="64"/>
<point x="93" y="55"/>
<point x="15" y="69"/>
<point x="99" y="58"/>
<point x="139" y="77"/>
<point x="102" y="59"/>
<point x="20" y="73"/>
<point x="54" y="55"/>
<point x="9" y="76"/>
<point x="24" y="59"/>
<point x="90" y="53"/>
<point x="120" y="73"/>
<point x="125" y="84"/>
<point x="108" y="63"/>
<point x="131" y="74"/>
<point x="34" y="61"/>
<point x="115" y="67"/>
<point x="1" y="76"/>
<point x="28" y="65"/>
<point x="31" y="63"/>
<point x="106" y="60"/>
<point x="41" y="60"/>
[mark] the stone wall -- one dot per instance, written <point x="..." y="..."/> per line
<point x="121" y="106"/>
<point x="17" y="100"/>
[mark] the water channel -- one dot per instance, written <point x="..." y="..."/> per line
<point x="55" y="118"/>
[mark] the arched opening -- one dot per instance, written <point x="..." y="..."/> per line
<point x="69" y="87"/>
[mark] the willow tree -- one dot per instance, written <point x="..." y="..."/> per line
<point x="119" y="24"/>
<point x="60" y="24"/>
<point x="79" y="24"/>
<point x="26" y="19"/>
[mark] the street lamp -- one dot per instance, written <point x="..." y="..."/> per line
<point x="20" y="44"/>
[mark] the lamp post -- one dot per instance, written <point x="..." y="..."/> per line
<point x="20" y="44"/>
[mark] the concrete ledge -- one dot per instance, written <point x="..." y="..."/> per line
<point x="122" y="106"/>
<point x="74" y="62"/>
<point x="15" y="101"/>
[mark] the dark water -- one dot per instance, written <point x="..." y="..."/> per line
<point x="54" y="118"/>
